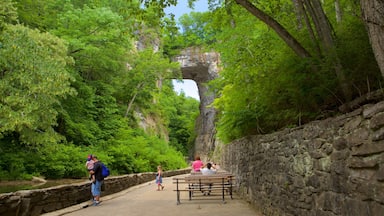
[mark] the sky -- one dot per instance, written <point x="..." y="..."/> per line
<point x="189" y="87"/>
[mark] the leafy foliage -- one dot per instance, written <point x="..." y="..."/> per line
<point x="97" y="41"/>
<point x="264" y="87"/>
<point x="32" y="84"/>
<point x="8" y="13"/>
<point x="182" y="113"/>
<point x="196" y="30"/>
<point x="66" y="85"/>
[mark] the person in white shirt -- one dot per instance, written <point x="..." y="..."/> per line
<point x="208" y="170"/>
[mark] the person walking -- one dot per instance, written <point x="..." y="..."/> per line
<point x="159" y="178"/>
<point x="97" y="182"/>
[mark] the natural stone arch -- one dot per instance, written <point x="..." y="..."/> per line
<point x="202" y="67"/>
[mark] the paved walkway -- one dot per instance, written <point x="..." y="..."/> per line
<point x="145" y="200"/>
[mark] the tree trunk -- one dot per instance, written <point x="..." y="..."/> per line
<point x="311" y="33"/>
<point x="321" y="23"/>
<point x="133" y="99"/>
<point x="130" y="105"/>
<point x="339" y="14"/>
<point x="323" y="29"/>
<point x="373" y="15"/>
<point x="280" y="30"/>
<point x="326" y="36"/>
<point x="298" y="12"/>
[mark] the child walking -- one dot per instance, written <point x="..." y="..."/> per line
<point x="159" y="178"/>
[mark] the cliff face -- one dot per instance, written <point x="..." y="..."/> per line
<point x="202" y="67"/>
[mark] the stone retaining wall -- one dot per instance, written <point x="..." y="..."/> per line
<point x="37" y="202"/>
<point x="325" y="168"/>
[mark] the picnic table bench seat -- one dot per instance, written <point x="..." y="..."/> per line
<point x="206" y="184"/>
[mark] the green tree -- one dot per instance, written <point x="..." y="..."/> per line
<point x="195" y="28"/>
<point x="97" y="39"/>
<point x="264" y="87"/>
<point x="146" y="68"/>
<point x="8" y="13"/>
<point x="182" y="125"/>
<point x="69" y="92"/>
<point x="32" y="83"/>
<point x="180" y="113"/>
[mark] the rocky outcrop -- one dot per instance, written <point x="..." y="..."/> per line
<point x="202" y="67"/>
<point x="328" y="168"/>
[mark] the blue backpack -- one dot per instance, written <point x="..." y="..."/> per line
<point x="104" y="170"/>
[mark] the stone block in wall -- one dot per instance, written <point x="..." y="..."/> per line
<point x="370" y="191"/>
<point x="330" y="201"/>
<point x="378" y="135"/>
<point x="323" y="164"/>
<point x="340" y="155"/>
<point x="368" y="149"/>
<point x="315" y="144"/>
<point x="340" y="143"/>
<point x="361" y="177"/>
<point x="362" y="162"/>
<point x="338" y="184"/>
<point x="356" y="207"/>
<point x="317" y="154"/>
<point x="314" y="182"/>
<point x="380" y="174"/>
<point x="353" y="123"/>
<point x="357" y="137"/>
<point x="375" y="209"/>
<point x="371" y="109"/>
<point x="338" y="167"/>
<point x="377" y="121"/>
<point x="302" y="164"/>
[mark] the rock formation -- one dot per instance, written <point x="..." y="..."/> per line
<point x="202" y="67"/>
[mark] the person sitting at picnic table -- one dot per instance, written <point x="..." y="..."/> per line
<point x="197" y="164"/>
<point x="208" y="170"/>
<point x="215" y="166"/>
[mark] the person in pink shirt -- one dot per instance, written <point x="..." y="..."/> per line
<point x="197" y="164"/>
<point x="90" y="164"/>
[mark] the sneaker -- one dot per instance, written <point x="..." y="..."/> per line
<point x="96" y="203"/>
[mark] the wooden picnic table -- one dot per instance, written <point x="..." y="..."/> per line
<point x="206" y="184"/>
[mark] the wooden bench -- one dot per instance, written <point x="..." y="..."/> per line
<point x="206" y="184"/>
